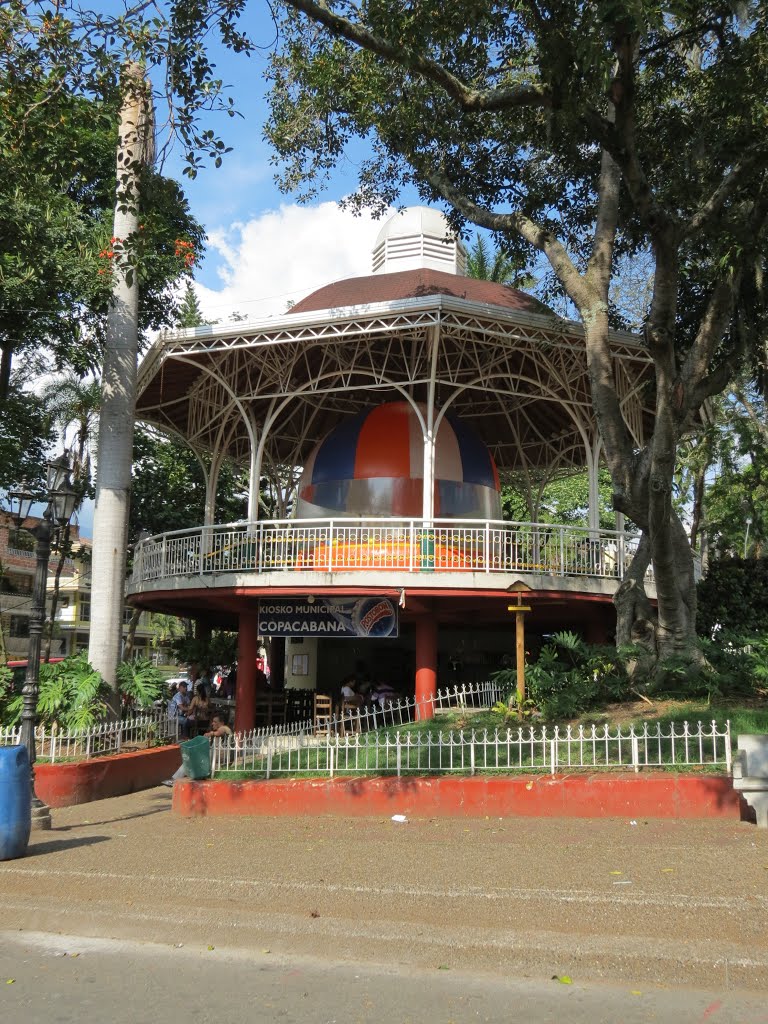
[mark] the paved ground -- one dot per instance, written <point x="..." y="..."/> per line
<point x="67" y="980"/>
<point x="672" y="903"/>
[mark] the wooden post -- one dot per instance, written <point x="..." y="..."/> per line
<point x="520" y="610"/>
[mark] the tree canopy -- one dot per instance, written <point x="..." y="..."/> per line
<point x="586" y="132"/>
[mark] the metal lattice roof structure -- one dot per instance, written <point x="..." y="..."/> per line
<point x="517" y="375"/>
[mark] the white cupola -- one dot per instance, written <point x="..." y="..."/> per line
<point x="418" y="238"/>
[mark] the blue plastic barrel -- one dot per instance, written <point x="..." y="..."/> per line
<point x="15" y="802"/>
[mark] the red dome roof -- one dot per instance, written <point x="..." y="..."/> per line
<point x="415" y="284"/>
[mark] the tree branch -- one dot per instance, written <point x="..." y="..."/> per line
<point x="534" y="233"/>
<point x="470" y="99"/>
<point x="712" y="207"/>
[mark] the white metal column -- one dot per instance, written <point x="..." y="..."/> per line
<point x="428" y="497"/>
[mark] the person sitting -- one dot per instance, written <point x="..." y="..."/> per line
<point x="218" y="728"/>
<point x="383" y="694"/>
<point x="199" y="711"/>
<point x="349" y="695"/>
<point x="178" y="706"/>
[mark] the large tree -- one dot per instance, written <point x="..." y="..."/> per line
<point x="583" y="131"/>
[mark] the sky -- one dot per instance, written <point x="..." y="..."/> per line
<point x="265" y="249"/>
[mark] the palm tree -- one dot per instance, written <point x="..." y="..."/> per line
<point x="496" y="265"/>
<point x="72" y="403"/>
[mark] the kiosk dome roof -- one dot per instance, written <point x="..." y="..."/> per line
<point x="413" y="284"/>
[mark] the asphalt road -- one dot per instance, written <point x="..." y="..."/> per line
<point x="65" y="979"/>
<point x="681" y="904"/>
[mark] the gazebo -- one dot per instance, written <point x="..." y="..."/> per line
<point x="384" y="411"/>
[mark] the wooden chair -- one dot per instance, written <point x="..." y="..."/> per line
<point x="349" y="718"/>
<point x="323" y="714"/>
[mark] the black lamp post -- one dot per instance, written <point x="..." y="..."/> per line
<point x="60" y="497"/>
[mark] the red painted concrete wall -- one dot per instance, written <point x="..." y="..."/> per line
<point x="589" y="796"/>
<point x="61" y="785"/>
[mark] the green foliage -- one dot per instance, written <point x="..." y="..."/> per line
<point x="570" y="676"/>
<point x="494" y="265"/>
<point x="220" y="650"/>
<point x="168" y="489"/>
<point x="734" y="597"/>
<point x="25" y="437"/>
<point x="6" y="691"/>
<point x="72" y="694"/>
<point x="57" y="188"/>
<point x="140" y="682"/>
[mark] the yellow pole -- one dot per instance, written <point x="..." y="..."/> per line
<point x="520" y="610"/>
<point x="520" y="638"/>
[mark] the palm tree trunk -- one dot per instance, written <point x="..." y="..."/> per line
<point x="116" y="423"/>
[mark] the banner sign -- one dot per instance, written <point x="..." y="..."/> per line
<point x="375" y="617"/>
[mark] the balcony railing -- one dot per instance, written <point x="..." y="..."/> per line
<point x="384" y="545"/>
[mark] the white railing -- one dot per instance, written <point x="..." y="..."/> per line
<point x="384" y="714"/>
<point x="54" y="744"/>
<point x="525" y="749"/>
<point x="406" y="545"/>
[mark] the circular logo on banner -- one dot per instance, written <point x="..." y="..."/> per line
<point x="374" y="616"/>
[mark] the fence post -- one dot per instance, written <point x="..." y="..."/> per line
<point x="472" y="753"/>
<point x="553" y="755"/>
<point x="330" y="758"/>
<point x="635" y="751"/>
<point x="728" y="745"/>
<point x="397" y="753"/>
<point x="269" y="759"/>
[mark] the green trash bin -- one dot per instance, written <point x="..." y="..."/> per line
<point x="196" y="757"/>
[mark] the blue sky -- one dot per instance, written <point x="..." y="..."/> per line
<point x="264" y="248"/>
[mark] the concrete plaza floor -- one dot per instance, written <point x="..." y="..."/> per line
<point x="676" y="903"/>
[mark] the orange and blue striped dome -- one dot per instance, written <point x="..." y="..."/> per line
<point x="372" y="464"/>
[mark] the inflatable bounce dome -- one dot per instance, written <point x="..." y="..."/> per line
<point x="372" y="465"/>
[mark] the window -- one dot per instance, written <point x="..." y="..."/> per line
<point x="84" y="613"/>
<point x="19" y="626"/>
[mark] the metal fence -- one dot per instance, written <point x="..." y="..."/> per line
<point x="55" y="744"/>
<point x="409" y="545"/>
<point x="547" y="749"/>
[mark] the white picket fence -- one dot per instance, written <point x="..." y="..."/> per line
<point x="546" y="749"/>
<point x="54" y="744"/>
<point x="361" y="720"/>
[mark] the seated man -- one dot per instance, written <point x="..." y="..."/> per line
<point x="218" y="728"/>
<point x="178" y="706"/>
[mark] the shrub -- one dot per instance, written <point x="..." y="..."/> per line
<point x="570" y="676"/>
<point x="72" y="694"/>
<point x="733" y="597"/>
<point x="141" y="684"/>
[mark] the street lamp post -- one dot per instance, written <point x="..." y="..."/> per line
<point x="60" y="498"/>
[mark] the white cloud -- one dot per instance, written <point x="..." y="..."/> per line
<point x="283" y="255"/>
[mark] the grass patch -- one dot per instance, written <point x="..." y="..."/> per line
<point x="437" y="746"/>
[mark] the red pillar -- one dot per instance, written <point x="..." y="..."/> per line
<point x="426" y="665"/>
<point x="245" y="691"/>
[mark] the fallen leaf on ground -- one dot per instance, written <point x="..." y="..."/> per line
<point x="11" y="981"/>
<point x="564" y="979"/>
<point x="617" y="872"/>
<point x="211" y="947"/>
